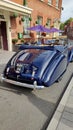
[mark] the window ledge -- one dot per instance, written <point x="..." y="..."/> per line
<point x="50" y="4"/>
<point x="57" y="8"/>
<point x="53" y="6"/>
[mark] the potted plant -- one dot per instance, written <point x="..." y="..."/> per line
<point x="46" y="24"/>
<point x="30" y="19"/>
<point x="22" y="19"/>
<point x="22" y="40"/>
<point x="15" y="40"/>
<point x="15" y="15"/>
<point x="36" y="22"/>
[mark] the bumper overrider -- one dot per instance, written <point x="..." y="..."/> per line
<point x="32" y="86"/>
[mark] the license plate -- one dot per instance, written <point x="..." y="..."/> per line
<point x="18" y="69"/>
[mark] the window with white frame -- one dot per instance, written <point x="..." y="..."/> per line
<point x="26" y="24"/>
<point x="40" y="20"/>
<point x="57" y="3"/>
<point x="50" y="2"/>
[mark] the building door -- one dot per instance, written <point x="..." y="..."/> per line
<point x="3" y="36"/>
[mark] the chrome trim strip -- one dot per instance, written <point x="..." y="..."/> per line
<point x="22" y="84"/>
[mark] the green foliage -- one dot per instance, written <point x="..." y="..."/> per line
<point x="15" y="40"/>
<point x="30" y="19"/>
<point x="24" y="2"/>
<point x="15" y="15"/>
<point x="36" y="22"/>
<point x="46" y="24"/>
<point x="22" y="40"/>
<point x="68" y="21"/>
<point x="22" y="19"/>
<point x="62" y="25"/>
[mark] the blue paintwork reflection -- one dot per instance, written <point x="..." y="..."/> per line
<point x="44" y="64"/>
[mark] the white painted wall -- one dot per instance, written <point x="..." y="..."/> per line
<point x="8" y="27"/>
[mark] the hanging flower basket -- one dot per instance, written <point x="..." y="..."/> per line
<point x="46" y="24"/>
<point x="15" y="15"/>
<point x="22" y="19"/>
<point x="36" y="22"/>
<point x="14" y="41"/>
<point x="30" y="19"/>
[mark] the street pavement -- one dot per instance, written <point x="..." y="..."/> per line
<point x="4" y="57"/>
<point x="63" y="116"/>
<point x="25" y="109"/>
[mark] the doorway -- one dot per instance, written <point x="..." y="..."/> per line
<point x="3" y="36"/>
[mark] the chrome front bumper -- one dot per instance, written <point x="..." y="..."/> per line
<point x="34" y="85"/>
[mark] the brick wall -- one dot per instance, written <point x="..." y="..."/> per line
<point x="42" y="9"/>
<point x="18" y="1"/>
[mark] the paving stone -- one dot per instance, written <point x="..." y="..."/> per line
<point x="69" y="109"/>
<point x="72" y="92"/>
<point x="70" y="99"/>
<point x="65" y="125"/>
<point x="68" y="116"/>
<point x="69" y="105"/>
<point x="55" y="121"/>
<point x="64" y="99"/>
<point x="5" y="56"/>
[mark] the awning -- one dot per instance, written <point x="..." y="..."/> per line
<point x="13" y="7"/>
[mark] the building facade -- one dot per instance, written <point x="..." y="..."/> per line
<point x="10" y="24"/>
<point x="17" y="15"/>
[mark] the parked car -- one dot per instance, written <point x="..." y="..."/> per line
<point x="36" y="66"/>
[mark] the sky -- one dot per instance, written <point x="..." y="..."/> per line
<point x="68" y="10"/>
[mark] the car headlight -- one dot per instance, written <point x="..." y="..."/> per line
<point x="18" y="67"/>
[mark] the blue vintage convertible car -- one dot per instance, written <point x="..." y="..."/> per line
<point x="37" y="66"/>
